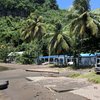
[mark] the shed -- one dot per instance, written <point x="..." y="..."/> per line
<point x="87" y="59"/>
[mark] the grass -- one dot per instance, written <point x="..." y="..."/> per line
<point x="3" y="68"/>
<point x="91" y="76"/>
<point x="74" y="75"/>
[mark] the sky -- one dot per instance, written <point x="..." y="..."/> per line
<point x="63" y="4"/>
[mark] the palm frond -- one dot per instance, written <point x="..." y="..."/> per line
<point x="91" y="24"/>
<point x="82" y="30"/>
<point x="65" y="45"/>
<point x="35" y="31"/>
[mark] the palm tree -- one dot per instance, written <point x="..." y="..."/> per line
<point x="84" y="25"/>
<point x="59" y="41"/>
<point x="81" y="5"/>
<point x="34" y="28"/>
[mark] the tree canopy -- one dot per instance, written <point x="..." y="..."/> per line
<point x="25" y="7"/>
<point x="79" y="24"/>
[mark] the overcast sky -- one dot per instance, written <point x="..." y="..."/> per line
<point x="63" y="4"/>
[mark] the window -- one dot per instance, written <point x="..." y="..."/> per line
<point x="98" y="60"/>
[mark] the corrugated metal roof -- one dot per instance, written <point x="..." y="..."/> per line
<point x="61" y="56"/>
<point x="48" y="57"/>
<point x="97" y="54"/>
<point x="87" y="55"/>
<point x="52" y="56"/>
<point x="14" y="53"/>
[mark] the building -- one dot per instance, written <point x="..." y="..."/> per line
<point x="12" y="56"/>
<point x="87" y="59"/>
<point x="56" y="59"/>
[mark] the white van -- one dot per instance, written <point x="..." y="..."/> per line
<point x="97" y="65"/>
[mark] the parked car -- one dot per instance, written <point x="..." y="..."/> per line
<point x="70" y="63"/>
<point x="97" y="65"/>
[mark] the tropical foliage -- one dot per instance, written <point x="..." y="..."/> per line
<point x="24" y="7"/>
<point x="59" y="41"/>
<point x="34" y="28"/>
<point x="39" y="27"/>
<point x="84" y="26"/>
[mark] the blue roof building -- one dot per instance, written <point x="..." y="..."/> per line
<point x="87" y="55"/>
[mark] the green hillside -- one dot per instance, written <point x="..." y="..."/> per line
<point x="31" y="25"/>
<point x="25" y="7"/>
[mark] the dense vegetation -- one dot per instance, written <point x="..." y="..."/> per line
<point x="25" y="7"/>
<point x="39" y="27"/>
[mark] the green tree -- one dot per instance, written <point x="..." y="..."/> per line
<point x="83" y="26"/>
<point x="9" y="30"/>
<point x="5" y="49"/>
<point x="59" y="41"/>
<point x="34" y="28"/>
<point x="81" y="5"/>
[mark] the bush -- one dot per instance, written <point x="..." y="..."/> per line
<point x="26" y="58"/>
<point x="4" y="51"/>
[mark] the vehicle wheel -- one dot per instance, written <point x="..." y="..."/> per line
<point x="3" y="84"/>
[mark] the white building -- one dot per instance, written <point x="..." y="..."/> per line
<point x="12" y="56"/>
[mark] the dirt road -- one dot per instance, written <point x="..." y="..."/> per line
<point x="48" y="88"/>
